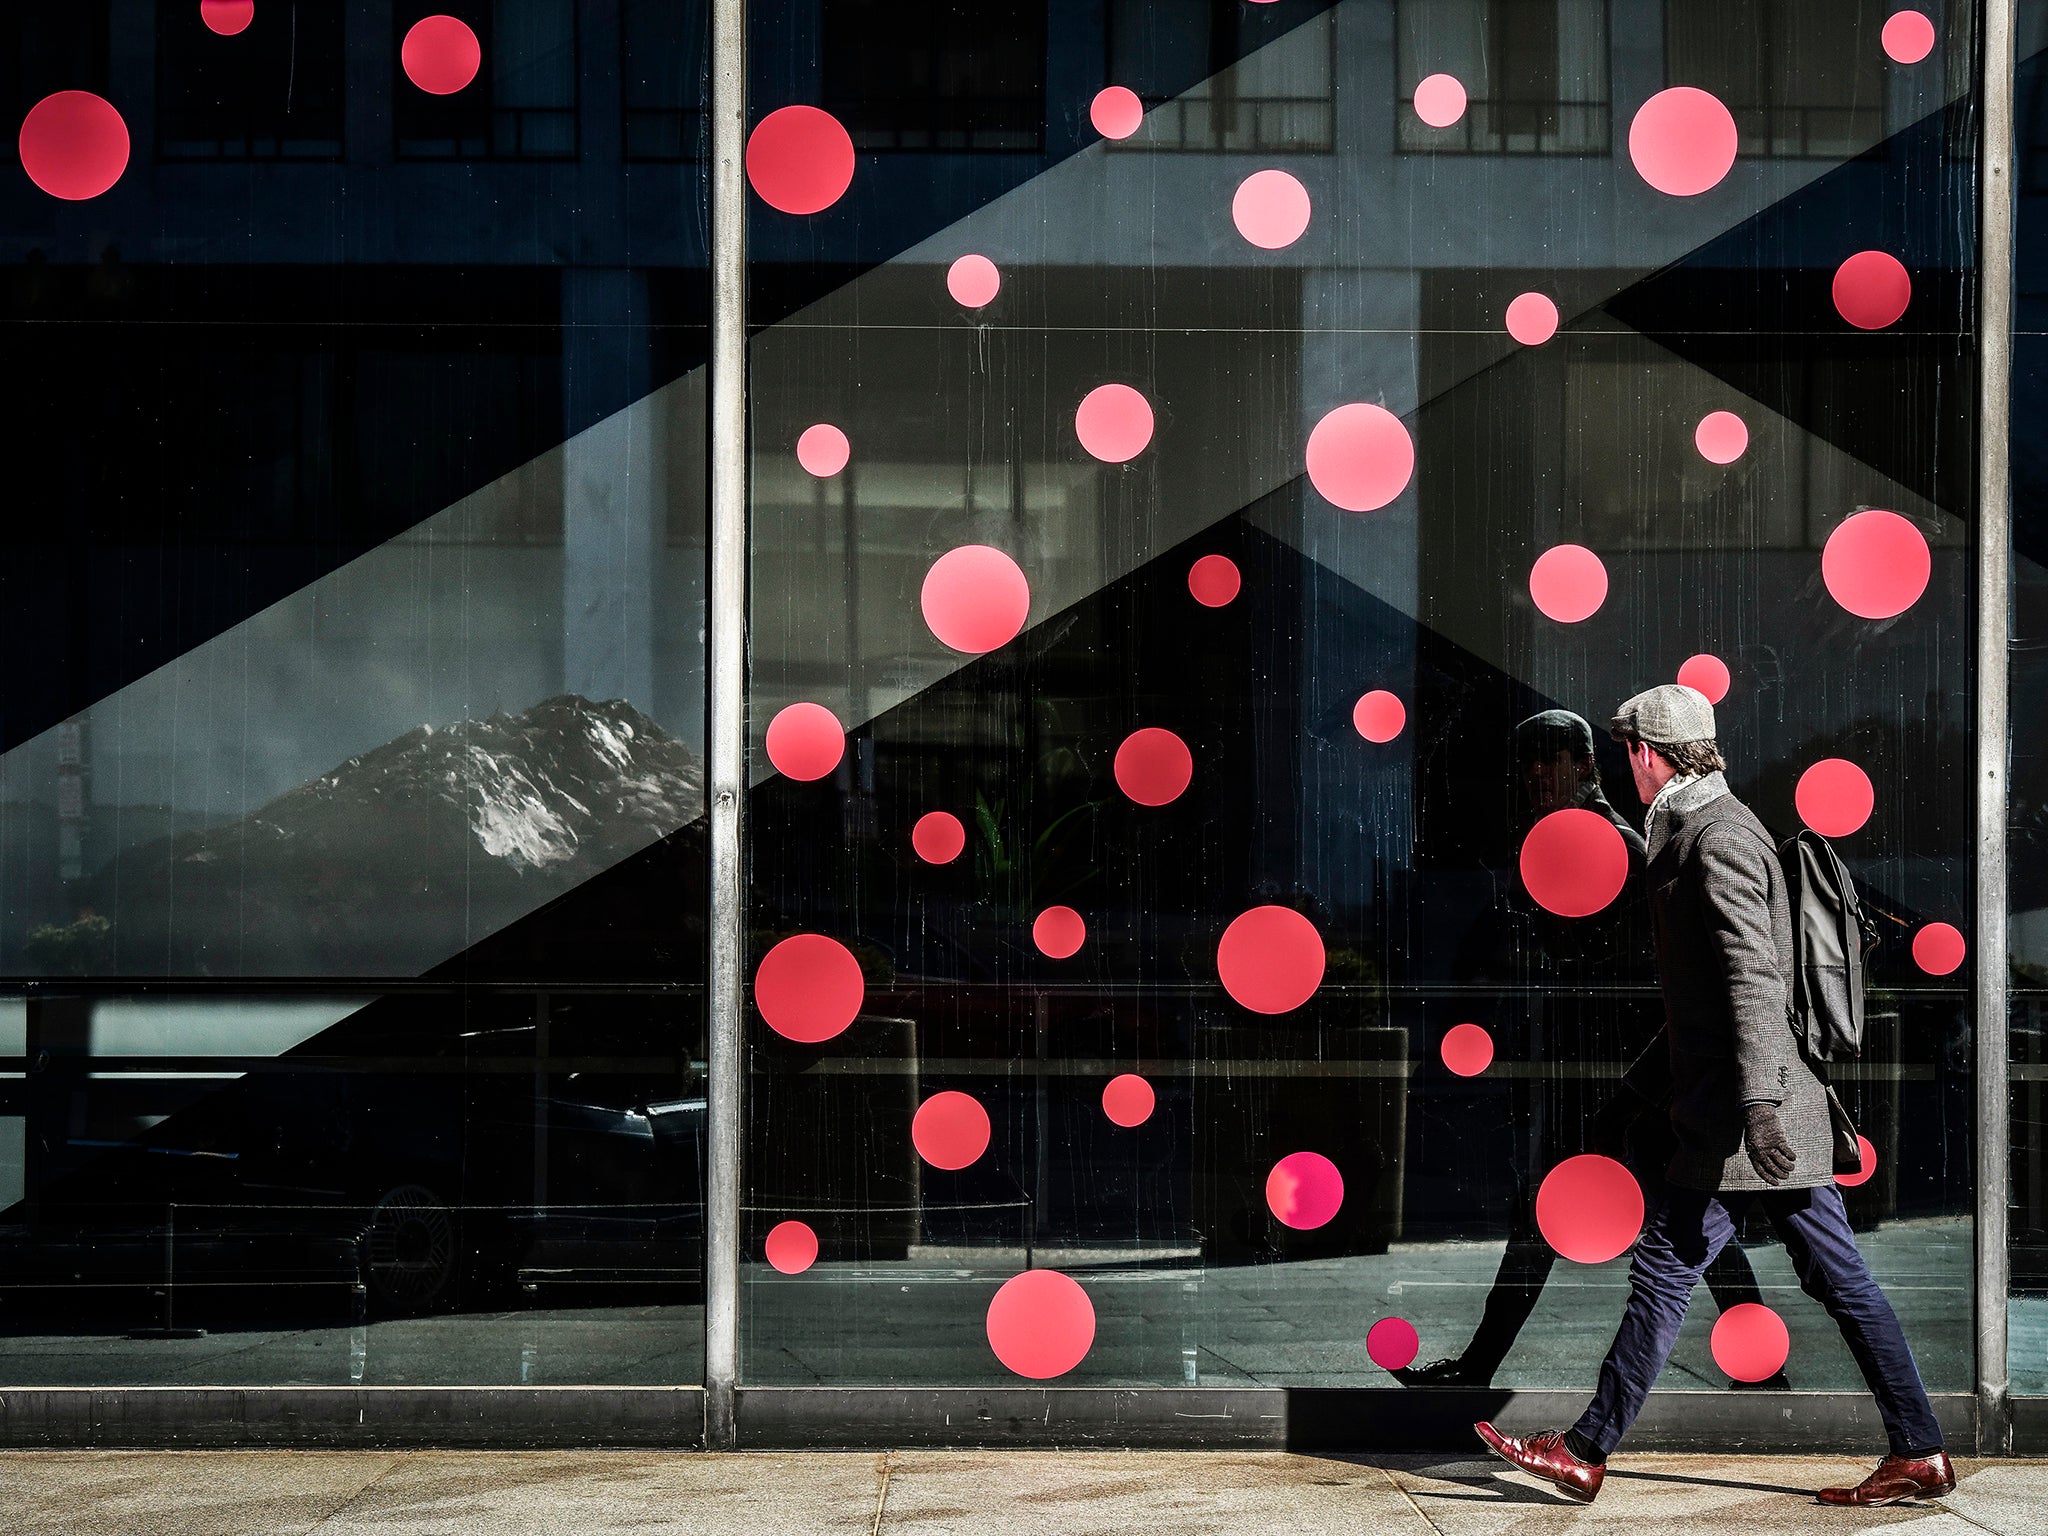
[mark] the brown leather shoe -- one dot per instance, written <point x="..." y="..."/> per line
<point x="1545" y="1455"/>
<point x="1896" y="1478"/>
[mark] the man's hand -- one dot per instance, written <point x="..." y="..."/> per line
<point x="1770" y="1154"/>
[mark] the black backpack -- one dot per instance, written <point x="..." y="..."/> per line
<point x="1830" y="936"/>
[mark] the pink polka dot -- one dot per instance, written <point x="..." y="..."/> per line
<point x="1574" y="862"/>
<point x="1214" y="580"/>
<point x="809" y="988"/>
<point x="227" y="17"/>
<point x="1378" y="716"/>
<point x="1589" y="1208"/>
<point x="791" y="1247"/>
<point x="1750" y="1341"/>
<point x="938" y="837"/>
<point x="1532" y="318"/>
<point x="1114" y="423"/>
<point x="1568" y="583"/>
<point x="973" y="281"/>
<point x="1391" y="1343"/>
<point x="1128" y="1099"/>
<point x="1440" y="100"/>
<point x="799" y="160"/>
<point x="1271" y="209"/>
<point x="1270" y="959"/>
<point x="1360" y="457"/>
<point x="1467" y="1049"/>
<point x="1872" y="289"/>
<point x="1304" y="1190"/>
<point x="823" y="450"/>
<point x="1866" y="1165"/>
<point x="950" y="1129"/>
<point x="975" y="599"/>
<point x="1059" y="932"/>
<point x="1938" y="949"/>
<point x="1682" y="141"/>
<point x="1706" y="675"/>
<point x="74" y="145"/>
<point x="805" y="741"/>
<point x="1116" y="112"/>
<point x="1041" y="1324"/>
<point x="1720" y="437"/>
<point x="1876" y="564"/>
<point x="1834" y="797"/>
<point x="440" y="54"/>
<point x="1153" y="766"/>
<point x="1908" y="37"/>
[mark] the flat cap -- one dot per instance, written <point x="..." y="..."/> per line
<point x="1667" y="715"/>
<point x="1553" y="731"/>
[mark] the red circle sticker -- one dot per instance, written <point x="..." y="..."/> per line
<point x="1908" y="37"/>
<point x="975" y="598"/>
<point x="1440" y="100"/>
<point x="1876" y="564"/>
<point x="1304" y="1190"/>
<point x="1750" y="1342"/>
<point x="1154" y="766"/>
<point x="227" y="17"/>
<point x="440" y="54"/>
<point x="1532" y="318"/>
<point x="73" y="145"/>
<point x="1872" y="289"/>
<point x="1116" y="112"/>
<point x="799" y="160"/>
<point x="973" y="281"/>
<point x="1938" y="949"/>
<point x="1041" y="1324"/>
<point x="1214" y="580"/>
<point x="1705" y="675"/>
<point x="1059" y="932"/>
<point x="1270" y="959"/>
<point x="1682" y="141"/>
<point x="1568" y="583"/>
<point x="791" y="1247"/>
<point x="1574" y="862"/>
<point x="1866" y="1165"/>
<point x="1834" y="797"/>
<point x="939" y="837"/>
<point x="1271" y="209"/>
<point x="1360" y="457"/>
<point x="1128" y="1099"/>
<point x="1589" y="1208"/>
<point x="1391" y="1343"/>
<point x="809" y="988"/>
<point x="1721" y="437"/>
<point x="1114" y="423"/>
<point x="1378" y="716"/>
<point x="950" y="1129"/>
<point x="823" y="450"/>
<point x="805" y="741"/>
<point x="1467" y="1049"/>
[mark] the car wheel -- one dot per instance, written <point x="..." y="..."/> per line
<point x="409" y="1250"/>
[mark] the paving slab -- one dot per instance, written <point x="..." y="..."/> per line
<point x="179" y="1493"/>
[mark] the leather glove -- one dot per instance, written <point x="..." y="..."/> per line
<point x="1763" y="1138"/>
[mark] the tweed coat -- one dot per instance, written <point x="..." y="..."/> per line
<point x="1724" y="964"/>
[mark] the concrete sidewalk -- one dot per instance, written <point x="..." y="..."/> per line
<point x="950" y="1493"/>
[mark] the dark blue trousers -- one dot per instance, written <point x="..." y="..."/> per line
<point x="1685" y="1230"/>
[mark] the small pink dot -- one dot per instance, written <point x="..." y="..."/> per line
<point x="1938" y="949"/>
<point x="1720" y="437"/>
<point x="1568" y="583"/>
<point x="1908" y="37"/>
<point x="950" y="1130"/>
<point x="791" y="1247"/>
<point x="799" y="160"/>
<point x="1834" y="797"/>
<point x="1116" y="112"/>
<point x="1378" y="716"/>
<point x="227" y="17"/>
<point x="1391" y="1343"/>
<point x="809" y="988"/>
<point x="73" y="145"/>
<point x="973" y="281"/>
<point x="1872" y="289"/>
<point x="1128" y="1099"/>
<point x="1682" y="141"/>
<point x="1440" y="100"/>
<point x="1041" y="1324"/>
<point x="440" y="54"/>
<point x="1271" y="209"/>
<point x="1876" y="564"/>
<point x="975" y="598"/>
<point x="1270" y="959"/>
<point x="1589" y="1208"/>
<point x="823" y="450"/>
<point x="1750" y="1342"/>
<point x="1059" y="932"/>
<point x="1304" y="1190"/>
<point x="1707" y="675"/>
<point x="1467" y="1049"/>
<point x="1214" y="580"/>
<point x="1154" y="766"/>
<point x="1114" y="423"/>
<point x="805" y="741"/>
<point x="1866" y="1165"/>
<point x="1360" y="457"/>
<point x="1532" y="319"/>
<point x="939" y="837"/>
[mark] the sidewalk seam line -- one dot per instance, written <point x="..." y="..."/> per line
<point x="1421" y="1514"/>
<point x="383" y="1472"/>
<point x="882" y="1463"/>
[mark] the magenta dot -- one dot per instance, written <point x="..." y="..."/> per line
<point x="1304" y="1190"/>
<point x="938" y="837"/>
<point x="1378" y="716"/>
<point x="1866" y="1165"/>
<point x="1114" y="423"/>
<point x="1750" y="1341"/>
<point x="799" y="160"/>
<point x="1116" y="112"/>
<point x="1214" y="580"/>
<point x="1041" y="1324"/>
<point x="1128" y="1099"/>
<point x="1908" y="37"/>
<point x="1720" y="437"/>
<point x="1532" y="318"/>
<point x="1360" y="457"/>
<point x="1872" y="289"/>
<point x="1706" y="675"/>
<point x="805" y="741"/>
<point x="950" y="1129"/>
<point x="1467" y="1049"/>
<point x="1439" y="100"/>
<point x="1270" y="959"/>
<point x="823" y="450"/>
<point x="1682" y="141"/>
<point x="809" y="988"/>
<point x="1834" y="797"/>
<point x="1153" y="766"/>
<point x="1568" y="583"/>
<point x="1574" y="862"/>
<point x="227" y="17"/>
<point x="973" y="281"/>
<point x="1876" y="564"/>
<point x="1059" y="932"/>
<point x="440" y="54"/>
<point x="1391" y="1343"/>
<point x="1271" y="209"/>
<point x="74" y="145"/>
<point x="791" y="1247"/>
<point x="1589" y="1208"/>
<point x="1938" y="949"/>
<point x="975" y="599"/>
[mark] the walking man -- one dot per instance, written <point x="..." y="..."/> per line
<point x="1748" y="1113"/>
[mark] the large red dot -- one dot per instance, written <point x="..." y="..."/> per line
<point x="1214" y="580"/>
<point x="1392" y="1344"/>
<point x="823" y="450"/>
<point x="1834" y="797"/>
<point x="806" y="741"/>
<point x="799" y="160"/>
<point x="791" y="1247"/>
<point x="1467" y="1049"/>
<point x="938" y="837"/>
<point x="1128" y="1099"/>
<point x="1304" y="1190"/>
<point x="1440" y="100"/>
<point x="1938" y="949"/>
<point x="1876" y="564"/>
<point x="1908" y="37"/>
<point x="1574" y="862"/>
<point x="1271" y="209"/>
<point x="975" y="598"/>
<point x="808" y="987"/>
<point x="1682" y="141"/>
<point x="1041" y="1324"/>
<point x="1750" y="1341"/>
<point x="227" y="17"/>
<point x="973" y="281"/>
<point x="1866" y="1165"/>
<point x="1270" y="959"/>
<point x="1114" y="423"/>
<point x="1116" y="112"/>
<point x="74" y="145"/>
<point x="1720" y="437"/>
<point x="1360" y="457"/>
<point x="1153" y="766"/>
<point x="1568" y="583"/>
<point x="1706" y="675"/>
<point x="1872" y="289"/>
<point x="440" y="54"/>
<point x="1059" y="932"/>
<point x="1589" y="1208"/>
<point x="1532" y="318"/>
<point x="950" y="1129"/>
<point x="1378" y="715"/>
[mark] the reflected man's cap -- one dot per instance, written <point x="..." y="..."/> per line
<point x="1668" y="715"/>
<point x="1552" y="732"/>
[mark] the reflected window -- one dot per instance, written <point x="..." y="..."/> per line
<point x="1534" y="71"/>
<point x="937" y="74"/>
<point x="661" y="76"/>
<point x="46" y="48"/>
<point x="1212" y="85"/>
<point x="269" y="92"/>
<point x="522" y="104"/>
<point x="1801" y="76"/>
